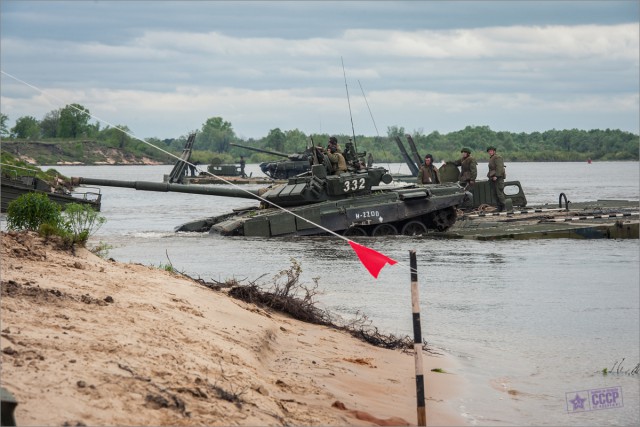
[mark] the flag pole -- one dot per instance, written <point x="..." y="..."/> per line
<point x="417" y="340"/>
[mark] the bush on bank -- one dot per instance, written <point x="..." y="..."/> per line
<point x="35" y="212"/>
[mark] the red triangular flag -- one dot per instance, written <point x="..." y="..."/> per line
<point x="372" y="260"/>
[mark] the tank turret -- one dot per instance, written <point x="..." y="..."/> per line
<point x="295" y="164"/>
<point x="314" y="187"/>
<point x="356" y="202"/>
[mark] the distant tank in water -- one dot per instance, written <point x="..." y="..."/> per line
<point x="352" y="203"/>
<point x="296" y="164"/>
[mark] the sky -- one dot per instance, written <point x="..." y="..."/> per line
<point x="162" y="68"/>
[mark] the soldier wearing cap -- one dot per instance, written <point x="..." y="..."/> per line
<point x="496" y="176"/>
<point x="468" y="168"/>
<point x="428" y="174"/>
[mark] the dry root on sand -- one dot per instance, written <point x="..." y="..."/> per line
<point x="286" y="294"/>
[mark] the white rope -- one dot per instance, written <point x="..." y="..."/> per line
<point x="19" y="167"/>
<point x="179" y="158"/>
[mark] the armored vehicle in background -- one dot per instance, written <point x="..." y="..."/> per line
<point x="17" y="181"/>
<point x="296" y="164"/>
<point x="224" y="170"/>
<point x="357" y="202"/>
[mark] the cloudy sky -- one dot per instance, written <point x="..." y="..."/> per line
<point x="163" y="68"/>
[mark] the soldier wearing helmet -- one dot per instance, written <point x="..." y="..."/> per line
<point x="468" y="168"/>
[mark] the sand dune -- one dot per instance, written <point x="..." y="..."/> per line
<point x="86" y="341"/>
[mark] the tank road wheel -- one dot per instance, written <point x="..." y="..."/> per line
<point x="384" y="230"/>
<point x="443" y="219"/>
<point x="354" y="231"/>
<point x="414" y="228"/>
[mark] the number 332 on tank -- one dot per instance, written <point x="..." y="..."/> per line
<point x="354" y="185"/>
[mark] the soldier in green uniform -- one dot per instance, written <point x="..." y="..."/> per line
<point x="496" y="176"/>
<point x="428" y="174"/>
<point x="243" y="163"/>
<point x="338" y="163"/>
<point x="468" y="168"/>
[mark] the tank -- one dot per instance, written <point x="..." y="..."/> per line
<point x="358" y="202"/>
<point x="295" y="164"/>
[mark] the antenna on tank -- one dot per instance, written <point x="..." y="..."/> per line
<point x="355" y="147"/>
<point x="370" y="113"/>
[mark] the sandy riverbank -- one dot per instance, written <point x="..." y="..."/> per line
<point x="85" y="340"/>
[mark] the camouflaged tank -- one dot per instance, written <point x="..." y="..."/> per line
<point x="358" y="202"/>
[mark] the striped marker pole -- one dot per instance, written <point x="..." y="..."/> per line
<point x="582" y="218"/>
<point x="523" y="212"/>
<point x="417" y="339"/>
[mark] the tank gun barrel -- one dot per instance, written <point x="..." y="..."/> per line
<point x="261" y="150"/>
<point x="167" y="187"/>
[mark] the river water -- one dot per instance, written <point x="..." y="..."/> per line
<point x="539" y="318"/>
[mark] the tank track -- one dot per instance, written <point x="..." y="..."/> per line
<point x="437" y="221"/>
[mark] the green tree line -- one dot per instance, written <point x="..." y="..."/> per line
<point x="214" y="139"/>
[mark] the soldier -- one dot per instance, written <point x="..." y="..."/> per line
<point x="468" y="168"/>
<point x="428" y="173"/>
<point x="370" y="160"/>
<point x="337" y="160"/>
<point x="496" y="176"/>
<point x="242" y="165"/>
<point x="333" y="141"/>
